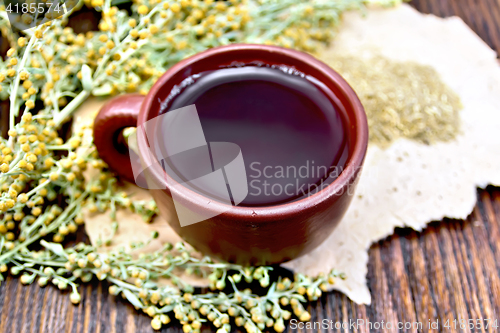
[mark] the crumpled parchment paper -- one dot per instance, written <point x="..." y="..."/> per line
<point x="408" y="184"/>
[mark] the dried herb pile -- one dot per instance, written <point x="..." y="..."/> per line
<point x="402" y="99"/>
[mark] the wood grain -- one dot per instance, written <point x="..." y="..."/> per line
<point x="449" y="271"/>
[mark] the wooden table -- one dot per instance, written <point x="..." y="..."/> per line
<point x="449" y="271"/>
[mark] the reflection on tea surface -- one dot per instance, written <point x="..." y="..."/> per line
<point x="290" y="134"/>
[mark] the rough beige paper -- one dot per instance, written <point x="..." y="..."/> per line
<point x="411" y="184"/>
<point x="408" y="184"/>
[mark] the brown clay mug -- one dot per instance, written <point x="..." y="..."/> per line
<point x="246" y="235"/>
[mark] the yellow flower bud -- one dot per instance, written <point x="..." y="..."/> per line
<point x="13" y="194"/>
<point x="48" y="163"/>
<point x="31" y="158"/>
<point x="10" y="52"/>
<point x="143" y="9"/>
<point x="151" y="311"/>
<point x="72" y="227"/>
<point x="95" y="189"/>
<point x="156" y="323"/>
<point x="22" y="139"/>
<point x="305" y="316"/>
<point x="21" y="41"/>
<point x="103" y="26"/>
<point x="74" y="143"/>
<point x="58" y="238"/>
<point x="153" y="29"/>
<point x="134" y="33"/>
<point x="27" y="84"/>
<point x="22" y="164"/>
<point x="10" y="237"/>
<point x="30" y="104"/>
<point x="26" y="18"/>
<point x="75" y="298"/>
<point x="79" y="220"/>
<point x="220" y="6"/>
<point x="70" y="176"/>
<point x="175" y="7"/>
<point x="66" y="163"/>
<point x="22" y="198"/>
<point x="36" y="211"/>
<point x="63" y="230"/>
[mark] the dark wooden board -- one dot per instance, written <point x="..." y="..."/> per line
<point x="449" y="271"/>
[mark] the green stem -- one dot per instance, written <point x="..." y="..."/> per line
<point x="39" y="187"/>
<point x="40" y="263"/>
<point x="123" y="284"/>
<point x="16" y="160"/>
<point x="61" y="147"/>
<point x="14" y="111"/>
<point x="65" y="113"/>
<point x="13" y="94"/>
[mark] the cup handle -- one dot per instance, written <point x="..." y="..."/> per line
<point x="116" y="115"/>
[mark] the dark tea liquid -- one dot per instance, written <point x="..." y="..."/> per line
<point x="291" y="136"/>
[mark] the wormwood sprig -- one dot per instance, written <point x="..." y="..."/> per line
<point x="49" y="71"/>
<point x="134" y="279"/>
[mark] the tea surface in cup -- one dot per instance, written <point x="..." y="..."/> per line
<point x="292" y="138"/>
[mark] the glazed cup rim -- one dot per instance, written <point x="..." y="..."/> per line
<point x="346" y="178"/>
